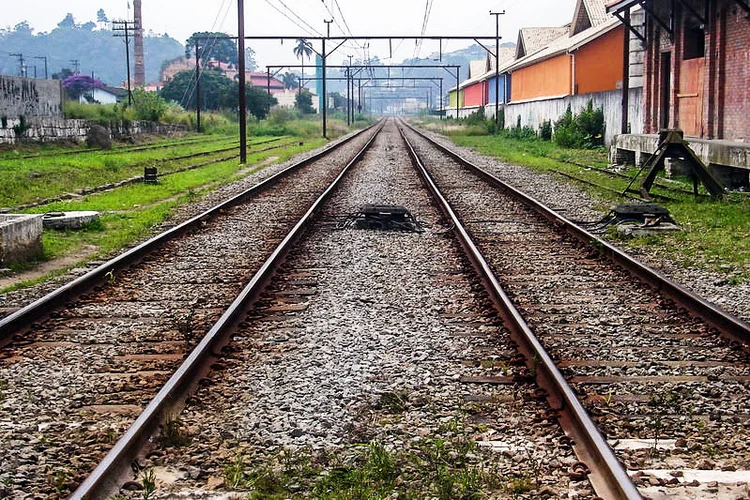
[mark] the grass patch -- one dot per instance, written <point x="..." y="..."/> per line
<point x="716" y="233"/>
<point x="129" y="213"/>
<point x="431" y="467"/>
<point x="25" y="180"/>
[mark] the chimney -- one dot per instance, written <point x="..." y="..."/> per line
<point x="140" y="69"/>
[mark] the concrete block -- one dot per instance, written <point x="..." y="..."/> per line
<point x="20" y="238"/>
<point x="69" y="220"/>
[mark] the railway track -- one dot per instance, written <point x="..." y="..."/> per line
<point x="348" y="347"/>
<point x="665" y="375"/>
<point x="346" y="355"/>
<point x="82" y="362"/>
<point x="121" y="150"/>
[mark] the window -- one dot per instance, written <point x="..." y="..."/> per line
<point x="694" y="42"/>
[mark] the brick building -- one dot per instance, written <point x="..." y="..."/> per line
<point x="697" y="66"/>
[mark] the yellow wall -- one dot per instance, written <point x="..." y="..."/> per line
<point x="544" y="79"/>
<point x="598" y="65"/>
<point x="452" y="98"/>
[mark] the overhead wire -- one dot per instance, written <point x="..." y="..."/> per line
<point x="307" y="27"/>
<point x="191" y="88"/>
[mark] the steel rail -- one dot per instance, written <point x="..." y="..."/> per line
<point x="123" y="150"/>
<point x="609" y="478"/>
<point x="31" y="313"/>
<point x="107" y="476"/>
<point x="727" y="324"/>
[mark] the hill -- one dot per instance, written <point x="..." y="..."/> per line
<point x="93" y="46"/>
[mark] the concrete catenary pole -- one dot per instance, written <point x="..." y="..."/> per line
<point x="140" y="67"/>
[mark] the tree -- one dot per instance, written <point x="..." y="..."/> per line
<point x="303" y="102"/>
<point x="63" y="74"/>
<point x="258" y="101"/>
<point x="212" y="45"/>
<point x="289" y="80"/>
<point x="23" y="27"/>
<point x="101" y="17"/>
<point x="77" y="85"/>
<point x="148" y="105"/>
<point x="89" y="26"/>
<point x="68" y="23"/>
<point x="250" y="63"/>
<point x="301" y="50"/>
<point x="215" y="90"/>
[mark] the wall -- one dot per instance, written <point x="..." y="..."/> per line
<point x="550" y="78"/>
<point x="452" y="99"/>
<point x="30" y="98"/>
<point x="599" y="64"/>
<point x="51" y="130"/>
<point x="535" y="112"/>
<point x="491" y="87"/>
<point x="736" y="74"/>
<point x="475" y="94"/>
<point x="721" y="109"/>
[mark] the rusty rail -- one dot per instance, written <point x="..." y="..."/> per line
<point x="107" y="476"/>
<point x="726" y="323"/>
<point x="22" y="318"/>
<point x="609" y="478"/>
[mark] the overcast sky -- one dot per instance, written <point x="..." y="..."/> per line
<point x="180" y="18"/>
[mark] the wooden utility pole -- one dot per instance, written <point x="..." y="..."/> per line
<point x="123" y="29"/>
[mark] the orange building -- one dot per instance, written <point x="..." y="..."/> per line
<point x="588" y="59"/>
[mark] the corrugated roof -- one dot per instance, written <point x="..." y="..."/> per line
<point x="597" y="11"/>
<point x="477" y="68"/>
<point x="531" y="40"/>
<point x="506" y="54"/>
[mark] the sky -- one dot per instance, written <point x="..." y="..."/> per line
<point x="299" y="18"/>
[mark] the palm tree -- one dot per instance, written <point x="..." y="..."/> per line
<point x="301" y="50"/>
<point x="289" y="79"/>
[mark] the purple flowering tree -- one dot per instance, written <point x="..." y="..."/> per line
<point x="79" y="84"/>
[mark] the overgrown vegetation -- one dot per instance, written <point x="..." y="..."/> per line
<point x="127" y="213"/>
<point x="716" y="233"/>
<point x="582" y="130"/>
<point x="433" y="467"/>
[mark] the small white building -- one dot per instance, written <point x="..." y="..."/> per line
<point x="105" y="95"/>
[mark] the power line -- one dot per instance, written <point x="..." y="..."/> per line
<point x="309" y="28"/>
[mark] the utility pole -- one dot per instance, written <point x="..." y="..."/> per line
<point x="76" y="66"/>
<point x="45" y="64"/>
<point x="20" y="63"/>
<point x="125" y="27"/>
<point x="349" y="106"/>
<point x="497" y="65"/>
<point x="241" y="68"/>
<point x="325" y="97"/>
<point x="197" y="86"/>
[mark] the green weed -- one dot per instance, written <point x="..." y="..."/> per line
<point x="148" y="482"/>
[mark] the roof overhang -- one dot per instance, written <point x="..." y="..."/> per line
<point x="621" y="5"/>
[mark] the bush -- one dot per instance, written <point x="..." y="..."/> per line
<point x="591" y="123"/>
<point x="520" y="133"/>
<point x="148" y="105"/>
<point x="585" y="130"/>
<point x="545" y="130"/>
<point x="280" y="115"/>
